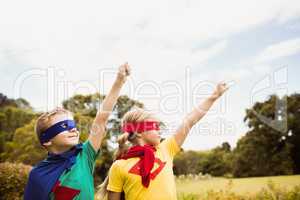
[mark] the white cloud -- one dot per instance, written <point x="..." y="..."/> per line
<point x="279" y="50"/>
<point x="72" y="33"/>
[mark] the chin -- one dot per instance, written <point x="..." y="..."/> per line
<point x="75" y="143"/>
<point x="155" y="143"/>
<point x="71" y="143"/>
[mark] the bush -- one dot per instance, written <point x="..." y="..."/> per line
<point x="216" y="162"/>
<point x="13" y="178"/>
<point x="183" y="196"/>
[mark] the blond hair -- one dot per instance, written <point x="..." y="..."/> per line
<point x="136" y="115"/>
<point x="44" y="121"/>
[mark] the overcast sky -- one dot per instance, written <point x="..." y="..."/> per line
<point x="178" y="50"/>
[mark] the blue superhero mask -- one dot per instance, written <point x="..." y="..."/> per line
<point x="55" y="129"/>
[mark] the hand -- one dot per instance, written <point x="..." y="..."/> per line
<point x="220" y="89"/>
<point x="124" y="71"/>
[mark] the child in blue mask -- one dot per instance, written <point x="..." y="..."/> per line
<point x="67" y="172"/>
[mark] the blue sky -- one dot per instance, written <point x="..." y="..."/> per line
<point x="178" y="51"/>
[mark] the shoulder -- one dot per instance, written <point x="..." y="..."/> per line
<point x="117" y="169"/>
<point x="168" y="142"/>
<point x="169" y="146"/>
<point x="89" y="149"/>
<point x="123" y="165"/>
<point x="120" y="163"/>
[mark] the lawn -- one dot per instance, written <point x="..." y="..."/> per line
<point x="239" y="185"/>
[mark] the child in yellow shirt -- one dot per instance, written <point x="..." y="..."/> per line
<point x="145" y="170"/>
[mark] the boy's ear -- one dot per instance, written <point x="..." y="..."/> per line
<point x="47" y="144"/>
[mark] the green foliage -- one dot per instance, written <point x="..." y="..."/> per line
<point x="13" y="114"/>
<point x="13" y="178"/>
<point x="184" y="196"/>
<point x="84" y="104"/>
<point x="87" y="106"/>
<point x="24" y="147"/>
<point x="187" y="162"/>
<point x="262" y="151"/>
<point x="253" y="156"/>
<point x="12" y="118"/>
<point x="17" y="103"/>
<point x="216" y="162"/>
<point x="83" y="124"/>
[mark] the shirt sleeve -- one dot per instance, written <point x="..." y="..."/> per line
<point x="115" y="178"/>
<point x="91" y="154"/>
<point x="171" y="146"/>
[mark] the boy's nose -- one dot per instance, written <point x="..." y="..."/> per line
<point x="74" y="130"/>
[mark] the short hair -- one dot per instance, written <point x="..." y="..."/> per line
<point x="44" y="121"/>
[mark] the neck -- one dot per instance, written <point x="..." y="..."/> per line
<point x="142" y="143"/>
<point x="59" y="150"/>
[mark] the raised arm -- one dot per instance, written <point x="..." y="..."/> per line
<point x="98" y="128"/>
<point x="197" y="113"/>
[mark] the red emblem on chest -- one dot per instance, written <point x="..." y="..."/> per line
<point x="63" y="192"/>
<point x="136" y="168"/>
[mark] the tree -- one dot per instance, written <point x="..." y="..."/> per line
<point x="187" y="162"/>
<point x="13" y="179"/>
<point x="24" y="147"/>
<point x="12" y="118"/>
<point x="293" y="133"/>
<point x="267" y="151"/>
<point x="13" y="114"/>
<point x="17" y="103"/>
<point x="216" y="162"/>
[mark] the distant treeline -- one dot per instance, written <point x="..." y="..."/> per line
<point x="267" y="148"/>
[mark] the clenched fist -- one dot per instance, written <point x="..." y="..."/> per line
<point x="124" y="71"/>
<point x="220" y="89"/>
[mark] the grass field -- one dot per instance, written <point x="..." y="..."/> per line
<point x="239" y="185"/>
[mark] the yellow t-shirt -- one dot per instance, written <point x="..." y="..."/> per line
<point x="123" y="175"/>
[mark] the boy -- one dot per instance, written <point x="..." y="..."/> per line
<point x="67" y="172"/>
